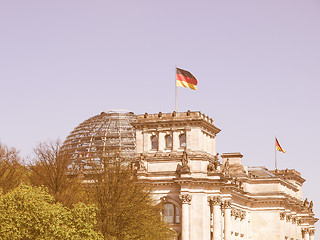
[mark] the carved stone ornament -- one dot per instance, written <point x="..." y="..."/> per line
<point x="185" y="163"/>
<point x="213" y="163"/>
<point x="243" y="214"/>
<point x="310" y="208"/>
<point x="227" y="204"/>
<point x="185" y="198"/>
<point x="288" y="218"/>
<point x="294" y="220"/>
<point x="304" y="231"/>
<point x="312" y="232"/>
<point x="214" y="200"/>
<point x="226" y="168"/>
<point x="141" y="163"/>
<point x="164" y="199"/>
<point x="237" y="213"/>
<point x="282" y="215"/>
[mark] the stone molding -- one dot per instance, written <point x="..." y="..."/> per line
<point x="282" y="215"/>
<point x="185" y="198"/>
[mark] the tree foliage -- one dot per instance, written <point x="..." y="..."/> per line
<point x="31" y="213"/>
<point x="50" y="169"/>
<point x="123" y="205"/>
<point x="125" y="209"/>
<point x="12" y="172"/>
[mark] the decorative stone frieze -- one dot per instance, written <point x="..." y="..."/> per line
<point x="185" y="198"/>
<point x="282" y="215"/>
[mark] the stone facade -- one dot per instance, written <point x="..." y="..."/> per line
<point x="207" y="196"/>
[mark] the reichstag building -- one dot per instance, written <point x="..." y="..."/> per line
<point x="205" y="196"/>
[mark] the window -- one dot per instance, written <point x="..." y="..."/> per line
<point x="182" y="139"/>
<point x="154" y="142"/>
<point x="168" y="139"/>
<point x="171" y="213"/>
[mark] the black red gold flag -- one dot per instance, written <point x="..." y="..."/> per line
<point x="185" y="79"/>
<point x="278" y="147"/>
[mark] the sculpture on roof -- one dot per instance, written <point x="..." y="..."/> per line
<point x="213" y="163"/>
<point x="226" y="168"/>
<point x="310" y="208"/>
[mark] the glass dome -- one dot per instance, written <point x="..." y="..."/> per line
<point x="108" y="135"/>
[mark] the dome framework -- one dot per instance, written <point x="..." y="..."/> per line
<point x="106" y="136"/>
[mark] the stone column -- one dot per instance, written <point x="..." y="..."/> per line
<point x="175" y="141"/>
<point x="186" y="200"/>
<point x="161" y="142"/>
<point x="227" y="220"/>
<point x="215" y="203"/>
<point x="282" y="224"/>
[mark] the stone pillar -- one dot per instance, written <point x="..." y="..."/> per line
<point x="146" y="141"/>
<point x="175" y="141"/>
<point x="215" y="203"/>
<point x="186" y="200"/>
<point x="282" y="224"/>
<point x="161" y="142"/>
<point x="227" y="220"/>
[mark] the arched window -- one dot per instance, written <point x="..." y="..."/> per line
<point x="154" y="142"/>
<point x="171" y="213"/>
<point x="182" y="140"/>
<point x="168" y="140"/>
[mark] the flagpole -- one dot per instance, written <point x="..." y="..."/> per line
<point x="275" y="154"/>
<point x="175" y="83"/>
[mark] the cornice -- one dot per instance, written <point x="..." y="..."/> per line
<point x="184" y="119"/>
<point x="271" y="180"/>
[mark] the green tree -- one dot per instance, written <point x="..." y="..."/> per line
<point x="31" y="213"/>
<point x="125" y="209"/>
<point x="12" y="171"/>
<point x="50" y="168"/>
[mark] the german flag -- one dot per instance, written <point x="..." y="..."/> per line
<point x="186" y="79"/>
<point x="278" y="147"/>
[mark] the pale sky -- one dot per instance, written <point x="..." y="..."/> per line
<point x="257" y="65"/>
